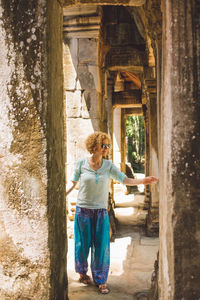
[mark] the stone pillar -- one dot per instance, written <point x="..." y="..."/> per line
<point x="147" y="155"/>
<point x="117" y="137"/>
<point x="32" y="184"/>
<point x="123" y="140"/>
<point x="109" y="108"/>
<point x="153" y="215"/>
<point x="179" y="263"/>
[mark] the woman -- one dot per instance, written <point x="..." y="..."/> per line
<point x="91" y="228"/>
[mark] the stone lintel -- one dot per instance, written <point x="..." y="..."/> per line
<point x="75" y="29"/>
<point x="82" y="34"/>
<point x="133" y="111"/>
<point x="108" y="2"/>
<point x="82" y="20"/>
<point x="127" y="99"/>
<point x="125" y="56"/>
<point x="79" y="10"/>
<point x="132" y="68"/>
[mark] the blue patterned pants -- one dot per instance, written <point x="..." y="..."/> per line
<point x="91" y="230"/>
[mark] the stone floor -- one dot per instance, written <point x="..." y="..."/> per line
<point x="132" y="258"/>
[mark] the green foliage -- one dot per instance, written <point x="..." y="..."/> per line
<point x="136" y="139"/>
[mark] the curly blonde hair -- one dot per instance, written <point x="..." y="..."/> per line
<point x="95" y="139"/>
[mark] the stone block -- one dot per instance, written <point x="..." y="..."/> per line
<point x="70" y="65"/>
<point x="145" y="254"/>
<point x="73" y="104"/>
<point x="124" y="56"/>
<point x="149" y="241"/>
<point x="89" y="56"/>
<point x="89" y="104"/>
<point x="86" y="78"/>
<point x="77" y="131"/>
<point x="130" y="215"/>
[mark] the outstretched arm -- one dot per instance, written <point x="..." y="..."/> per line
<point x="70" y="187"/>
<point x="146" y="180"/>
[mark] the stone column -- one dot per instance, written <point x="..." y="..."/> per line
<point x="117" y="137"/>
<point x="123" y="140"/>
<point x="32" y="184"/>
<point x="153" y="215"/>
<point x="179" y="264"/>
<point x="147" y="155"/>
<point x="109" y="107"/>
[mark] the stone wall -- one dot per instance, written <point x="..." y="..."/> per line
<point x="32" y="184"/>
<point x="179" y="264"/>
<point x="81" y="91"/>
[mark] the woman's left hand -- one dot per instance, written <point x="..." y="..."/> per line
<point x="150" y="180"/>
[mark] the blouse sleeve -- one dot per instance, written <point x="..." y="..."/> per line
<point x="77" y="171"/>
<point x="116" y="173"/>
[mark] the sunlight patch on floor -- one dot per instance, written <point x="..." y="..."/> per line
<point x="118" y="253"/>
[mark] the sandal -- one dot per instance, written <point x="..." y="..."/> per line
<point x="84" y="279"/>
<point x="103" y="288"/>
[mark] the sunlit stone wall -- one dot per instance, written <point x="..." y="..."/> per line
<point x="32" y="181"/>
<point x="81" y="91"/>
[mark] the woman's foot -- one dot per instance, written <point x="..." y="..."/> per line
<point x="103" y="288"/>
<point x="84" y="278"/>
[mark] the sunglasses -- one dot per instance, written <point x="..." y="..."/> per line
<point x="105" y="146"/>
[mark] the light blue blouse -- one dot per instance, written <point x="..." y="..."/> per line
<point x="94" y="185"/>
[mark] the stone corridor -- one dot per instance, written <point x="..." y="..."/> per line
<point x="72" y="67"/>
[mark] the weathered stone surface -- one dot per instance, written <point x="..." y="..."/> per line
<point x="77" y="128"/>
<point x="70" y="63"/>
<point x="73" y="104"/>
<point x="33" y="231"/>
<point x="23" y="212"/>
<point x="89" y="55"/>
<point x="85" y="77"/>
<point x="179" y="264"/>
<point x="89" y="104"/>
<point x="127" y="99"/>
<point x="77" y="131"/>
<point x="128" y="56"/>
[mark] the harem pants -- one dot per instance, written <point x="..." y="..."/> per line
<point x="91" y="230"/>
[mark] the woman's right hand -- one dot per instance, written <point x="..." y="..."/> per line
<point x="150" y="180"/>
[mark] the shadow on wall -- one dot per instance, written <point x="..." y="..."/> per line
<point x="81" y="81"/>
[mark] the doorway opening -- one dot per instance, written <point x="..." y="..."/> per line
<point x="101" y="95"/>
